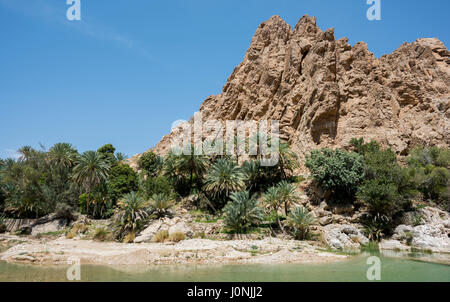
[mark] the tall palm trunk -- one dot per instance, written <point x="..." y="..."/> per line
<point x="279" y="224"/>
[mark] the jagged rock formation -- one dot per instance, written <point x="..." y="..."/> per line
<point x="325" y="92"/>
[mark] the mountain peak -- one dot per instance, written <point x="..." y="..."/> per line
<point x="325" y="92"/>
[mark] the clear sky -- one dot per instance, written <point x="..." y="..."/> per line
<point x="130" y="68"/>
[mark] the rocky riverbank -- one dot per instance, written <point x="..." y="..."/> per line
<point x="192" y="251"/>
<point x="54" y="240"/>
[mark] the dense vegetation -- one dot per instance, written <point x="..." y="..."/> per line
<point x="373" y="177"/>
<point x="102" y="185"/>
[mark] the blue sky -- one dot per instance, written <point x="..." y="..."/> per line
<point x="130" y="68"/>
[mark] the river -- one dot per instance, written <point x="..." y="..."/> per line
<point x="355" y="269"/>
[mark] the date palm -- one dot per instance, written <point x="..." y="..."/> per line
<point x="62" y="155"/>
<point x="132" y="211"/>
<point x="119" y="157"/>
<point x="91" y="170"/>
<point x="242" y="211"/>
<point x="301" y="220"/>
<point x="26" y="152"/>
<point x="160" y="203"/>
<point x="287" y="159"/>
<point x="225" y="177"/>
<point x="287" y="195"/>
<point x="273" y="200"/>
<point x="191" y="164"/>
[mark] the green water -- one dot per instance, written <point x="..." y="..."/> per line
<point x="392" y="269"/>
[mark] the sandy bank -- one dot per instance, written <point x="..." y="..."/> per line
<point x="193" y="251"/>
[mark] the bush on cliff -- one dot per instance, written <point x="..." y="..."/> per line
<point x="337" y="171"/>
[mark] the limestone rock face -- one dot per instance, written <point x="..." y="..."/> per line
<point x="325" y="92"/>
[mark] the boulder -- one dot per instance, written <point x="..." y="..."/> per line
<point x="431" y="237"/>
<point x="172" y="225"/>
<point x="432" y="234"/>
<point x="147" y="234"/>
<point x="52" y="226"/>
<point x="325" y="220"/>
<point x="343" y="237"/>
<point x="342" y="209"/>
<point x="51" y="222"/>
<point x="14" y="225"/>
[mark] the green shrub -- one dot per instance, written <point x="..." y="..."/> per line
<point x="150" y="163"/>
<point x="107" y="149"/>
<point x="387" y="191"/>
<point x="242" y="212"/>
<point x="379" y="196"/>
<point x="122" y="180"/>
<point x="157" y="185"/>
<point x="423" y="156"/>
<point x="375" y="225"/>
<point x="430" y="168"/>
<point x="337" y="171"/>
<point x="63" y="210"/>
<point x="100" y="207"/>
<point x="362" y="148"/>
<point x="301" y="220"/>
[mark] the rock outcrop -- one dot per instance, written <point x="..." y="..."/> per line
<point x="46" y="224"/>
<point x="325" y="92"/>
<point x="432" y="234"/>
<point x="184" y="224"/>
<point x="343" y="237"/>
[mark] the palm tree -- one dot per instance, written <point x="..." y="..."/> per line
<point x="287" y="195"/>
<point x="301" y="220"/>
<point x="273" y="199"/>
<point x="26" y="152"/>
<point x="238" y="144"/>
<point x="191" y="164"/>
<point x="160" y="203"/>
<point x="91" y="170"/>
<point x="120" y="157"/>
<point x="225" y="177"/>
<point x="169" y="169"/>
<point x="62" y="155"/>
<point x="242" y="211"/>
<point x="132" y="211"/>
<point x="252" y="171"/>
<point x="61" y="158"/>
<point x="287" y="159"/>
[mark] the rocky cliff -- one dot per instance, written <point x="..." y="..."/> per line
<point x="325" y="91"/>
